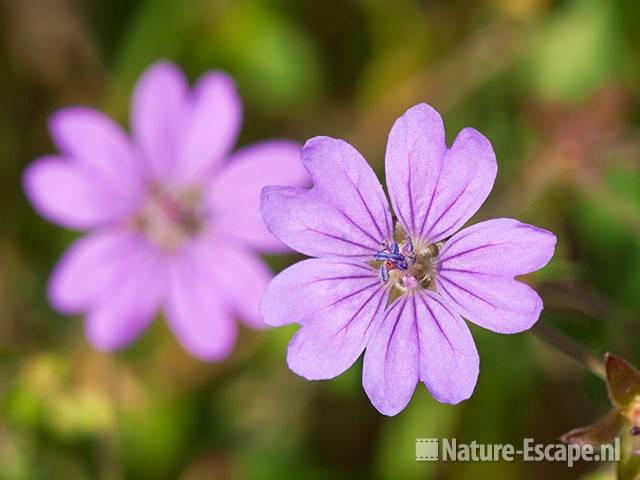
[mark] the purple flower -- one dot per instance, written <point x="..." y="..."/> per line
<point x="400" y="293"/>
<point x="173" y="217"/>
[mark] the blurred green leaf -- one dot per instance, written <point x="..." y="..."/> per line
<point x="575" y="51"/>
<point x="273" y="60"/>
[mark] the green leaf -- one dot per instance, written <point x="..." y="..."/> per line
<point x="623" y="380"/>
<point x="576" y="51"/>
<point x="274" y="61"/>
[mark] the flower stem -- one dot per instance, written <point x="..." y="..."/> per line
<point x="571" y="348"/>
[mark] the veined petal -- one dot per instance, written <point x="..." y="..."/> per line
<point x="333" y="338"/>
<point x="97" y="143"/>
<point x="449" y="361"/>
<point x="391" y="367"/>
<point x="212" y="122"/>
<point x="500" y="304"/>
<point x="131" y="303"/>
<point x="310" y="286"/>
<point x="197" y="312"/>
<point x="502" y="246"/>
<point x="415" y="153"/>
<point x="89" y="268"/>
<point x="234" y="195"/>
<point x="477" y="267"/>
<point x="466" y="179"/>
<point x="158" y="114"/>
<point x="435" y="190"/>
<point x="345" y="213"/>
<point x="420" y="339"/>
<point x="71" y="195"/>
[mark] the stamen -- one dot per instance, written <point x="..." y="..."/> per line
<point x="406" y="266"/>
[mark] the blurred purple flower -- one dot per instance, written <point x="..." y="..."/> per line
<point x="173" y="218"/>
<point x="400" y="293"/>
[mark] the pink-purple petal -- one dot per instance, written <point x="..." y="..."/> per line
<point x="91" y="139"/>
<point x="435" y="190"/>
<point x="212" y="121"/>
<point x="333" y="338"/>
<point x="236" y="274"/>
<point x="413" y="161"/>
<point x="477" y="269"/>
<point x="130" y="304"/>
<point x="234" y="195"/>
<point x="468" y="173"/>
<point x="158" y="115"/>
<point x="420" y="339"/>
<point x="69" y="195"/>
<point x="197" y="312"/>
<point x="345" y="213"/>
<point x="502" y="246"/>
<point x="309" y="286"/>
<point x="449" y="361"/>
<point x="497" y="303"/>
<point x="391" y="368"/>
<point x="90" y="267"/>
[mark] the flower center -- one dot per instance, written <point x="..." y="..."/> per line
<point x="170" y="216"/>
<point x="406" y="266"/>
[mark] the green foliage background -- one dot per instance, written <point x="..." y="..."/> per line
<point x="553" y="84"/>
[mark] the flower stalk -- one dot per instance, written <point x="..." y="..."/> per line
<point x="571" y="348"/>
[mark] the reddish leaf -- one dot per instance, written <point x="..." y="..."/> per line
<point x="623" y="380"/>
<point x="603" y="431"/>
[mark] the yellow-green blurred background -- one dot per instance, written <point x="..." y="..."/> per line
<point x="553" y="84"/>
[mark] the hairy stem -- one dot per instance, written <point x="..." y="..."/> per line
<point x="571" y="348"/>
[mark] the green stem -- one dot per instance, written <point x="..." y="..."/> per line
<point x="571" y="348"/>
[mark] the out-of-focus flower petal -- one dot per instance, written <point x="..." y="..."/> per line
<point x="197" y="312"/>
<point x="334" y="337"/>
<point x="158" y="115"/>
<point x="71" y="195"/>
<point x="420" y="339"/>
<point x="234" y="196"/>
<point x="434" y="191"/>
<point x="237" y="275"/>
<point x="344" y="214"/>
<point x="213" y="118"/>
<point x="310" y="286"/>
<point x="129" y="305"/>
<point x="90" y="270"/>
<point x="477" y="267"/>
<point x="95" y="141"/>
